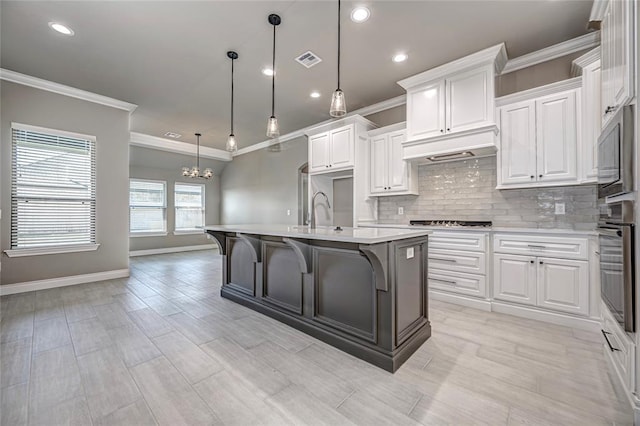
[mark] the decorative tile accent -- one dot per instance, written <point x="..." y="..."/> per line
<point x="466" y="190"/>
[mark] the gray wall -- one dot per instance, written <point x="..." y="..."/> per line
<point x="171" y="176"/>
<point x="36" y="107"/>
<point x="466" y="190"/>
<point x="260" y="186"/>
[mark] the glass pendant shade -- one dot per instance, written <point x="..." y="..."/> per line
<point x="272" y="127"/>
<point x="208" y="173"/>
<point x="338" y="104"/>
<point x="186" y="171"/>
<point x="231" y="143"/>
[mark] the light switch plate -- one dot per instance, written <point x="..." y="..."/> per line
<point x="560" y="208"/>
<point x="400" y="210"/>
<point x="288" y="212"/>
<point x="410" y="253"/>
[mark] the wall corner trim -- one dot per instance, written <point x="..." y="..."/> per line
<point x="586" y="41"/>
<point x="62" y="281"/>
<point x="172" y="250"/>
<point x="162" y="144"/>
<point x="61" y="89"/>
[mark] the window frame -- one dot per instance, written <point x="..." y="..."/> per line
<point x="53" y="248"/>
<point x="163" y="233"/>
<point x="189" y="231"/>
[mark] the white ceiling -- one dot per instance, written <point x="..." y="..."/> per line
<point x="170" y="57"/>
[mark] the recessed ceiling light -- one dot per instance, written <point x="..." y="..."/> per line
<point x="315" y="94"/>
<point x="267" y="71"/>
<point x="62" y="29"/>
<point x="400" y="57"/>
<point x="360" y="14"/>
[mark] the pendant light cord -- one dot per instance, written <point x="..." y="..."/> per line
<point x="232" y="60"/>
<point x="198" y="154"/>
<point x="338" y="44"/>
<point x="273" y="76"/>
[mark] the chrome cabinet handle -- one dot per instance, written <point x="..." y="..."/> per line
<point x="442" y="281"/>
<point x="443" y="260"/>
<point x="604" y="333"/>
<point x="536" y="246"/>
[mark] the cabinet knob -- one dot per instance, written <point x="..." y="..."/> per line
<point x="441" y="130"/>
<point x="531" y="261"/>
<point x="541" y="262"/>
<point x="532" y="176"/>
<point x="448" y="130"/>
<point x="539" y="175"/>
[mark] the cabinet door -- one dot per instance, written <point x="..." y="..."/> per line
<point x="563" y="285"/>
<point x="591" y="121"/>
<point x="622" y="84"/>
<point x="556" y="139"/>
<point x="319" y="152"/>
<point x="398" y="175"/>
<point x="342" y="144"/>
<point x="379" y="163"/>
<point x="425" y="111"/>
<point x="467" y="100"/>
<point x="606" y="54"/>
<point x="515" y="278"/>
<point x="517" y="143"/>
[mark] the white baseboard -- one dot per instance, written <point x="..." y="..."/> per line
<point x="62" y="281"/>
<point x="551" y="317"/>
<point x="483" y="305"/>
<point x="172" y="250"/>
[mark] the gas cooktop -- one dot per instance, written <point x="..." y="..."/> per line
<point x="450" y="223"/>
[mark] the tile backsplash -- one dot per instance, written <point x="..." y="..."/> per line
<point x="466" y="190"/>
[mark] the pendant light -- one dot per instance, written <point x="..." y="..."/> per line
<point x="232" y="146"/>
<point x="338" y="105"/>
<point x="194" y="172"/>
<point x="272" y="125"/>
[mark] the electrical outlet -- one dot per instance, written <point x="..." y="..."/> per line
<point x="400" y="210"/>
<point x="288" y="212"/>
<point x="560" y="208"/>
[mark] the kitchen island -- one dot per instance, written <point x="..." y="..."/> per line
<point x="361" y="290"/>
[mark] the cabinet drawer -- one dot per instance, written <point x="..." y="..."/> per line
<point x="470" y="284"/>
<point x="532" y="245"/>
<point x="624" y="355"/>
<point x="458" y="241"/>
<point x="458" y="261"/>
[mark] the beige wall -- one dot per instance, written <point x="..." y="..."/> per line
<point x="36" y="107"/>
<point x="171" y="176"/>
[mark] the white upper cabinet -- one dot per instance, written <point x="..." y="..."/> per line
<point x="332" y="150"/>
<point x="618" y="60"/>
<point x="425" y="111"/>
<point x="588" y="68"/>
<point x="389" y="173"/>
<point x="518" y="136"/>
<point x="556" y="140"/>
<point x="468" y="101"/>
<point x="450" y="108"/>
<point x="539" y="135"/>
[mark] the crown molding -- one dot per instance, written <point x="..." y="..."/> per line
<point x="549" y="89"/>
<point x="368" y="110"/>
<point x="597" y="10"/>
<point x="162" y="144"/>
<point x="587" y="41"/>
<point x="581" y="62"/>
<point x="496" y="55"/>
<point x="61" y="89"/>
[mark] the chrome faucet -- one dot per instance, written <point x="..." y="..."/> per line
<point x="312" y="222"/>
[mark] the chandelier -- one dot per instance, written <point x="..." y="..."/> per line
<point x="194" y="172"/>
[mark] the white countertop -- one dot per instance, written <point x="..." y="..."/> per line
<point x="494" y="229"/>
<point x="326" y="233"/>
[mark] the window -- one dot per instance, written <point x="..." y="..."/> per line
<point x="147" y="207"/>
<point x="53" y="191"/>
<point x="189" y="202"/>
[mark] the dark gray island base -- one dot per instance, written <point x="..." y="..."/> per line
<point x="368" y="299"/>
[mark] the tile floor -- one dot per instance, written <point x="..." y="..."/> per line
<point x="162" y="347"/>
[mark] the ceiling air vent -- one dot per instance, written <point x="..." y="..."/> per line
<point x="173" y="135"/>
<point x="308" y="59"/>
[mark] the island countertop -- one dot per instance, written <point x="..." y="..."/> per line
<point x="326" y="233"/>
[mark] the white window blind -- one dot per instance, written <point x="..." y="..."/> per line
<point x="189" y="204"/>
<point x="147" y="206"/>
<point x="53" y="188"/>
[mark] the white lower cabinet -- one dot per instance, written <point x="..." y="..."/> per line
<point x="514" y="278"/>
<point x="537" y="275"/>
